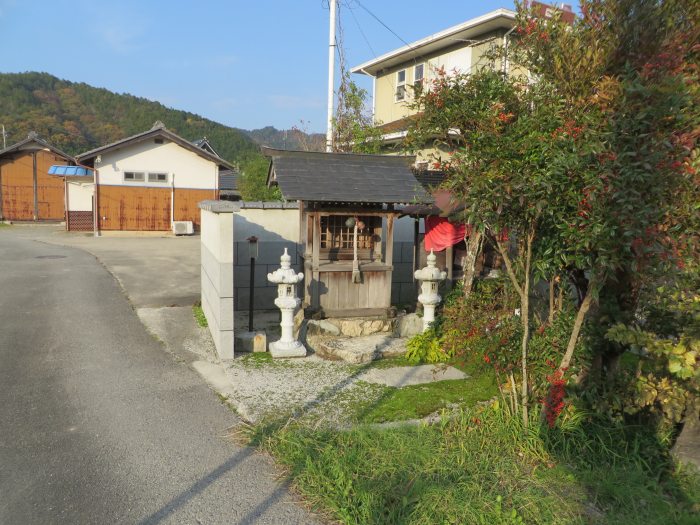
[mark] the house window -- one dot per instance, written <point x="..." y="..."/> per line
<point x="337" y="238"/>
<point x="418" y="76"/>
<point x="158" y="177"/>
<point x="400" y="85"/>
<point x="134" y="176"/>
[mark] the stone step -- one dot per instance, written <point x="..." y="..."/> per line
<point x="358" y="350"/>
<point x="405" y="325"/>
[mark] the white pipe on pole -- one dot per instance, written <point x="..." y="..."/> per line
<point x="96" y="196"/>
<point x="172" y="203"/>
<point x="331" y="77"/>
<point x="65" y="199"/>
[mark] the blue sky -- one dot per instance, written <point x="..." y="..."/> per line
<point x="246" y="64"/>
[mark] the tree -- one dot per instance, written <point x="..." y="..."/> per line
<point x="627" y="71"/>
<point x="584" y="169"/>
<point x="354" y="130"/>
<point x="501" y="171"/>
<point x="253" y="180"/>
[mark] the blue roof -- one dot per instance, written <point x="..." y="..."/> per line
<point x="70" y="170"/>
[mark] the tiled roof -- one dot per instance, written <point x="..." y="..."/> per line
<point x="430" y="179"/>
<point x="344" y="177"/>
<point x="205" y="145"/>
<point x="228" y="180"/>
<point x="401" y="124"/>
<point x="33" y="138"/>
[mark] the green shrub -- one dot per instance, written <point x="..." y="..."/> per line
<point x="426" y="347"/>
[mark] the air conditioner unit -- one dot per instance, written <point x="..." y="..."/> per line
<point x="183" y="228"/>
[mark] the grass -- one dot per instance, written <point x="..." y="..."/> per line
<point x="257" y="359"/>
<point x="484" y="468"/>
<point x="418" y="401"/>
<point x="389" y="362"/>
<point x="477" y="464"/>
<point x="199" y="315"/>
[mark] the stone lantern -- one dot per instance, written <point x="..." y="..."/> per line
<point x="429" y="297"/>
<point x="287" y="301"/>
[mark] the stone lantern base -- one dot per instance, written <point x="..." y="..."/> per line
<point x="287" y="349"/>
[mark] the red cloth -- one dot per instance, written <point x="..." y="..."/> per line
<point x="440" y="233"/>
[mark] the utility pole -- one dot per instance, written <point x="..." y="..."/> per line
<point x="331" y="74"/>
<point x="4" y="137"/>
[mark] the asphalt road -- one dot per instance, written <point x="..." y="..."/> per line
<point x="98" y="424"/>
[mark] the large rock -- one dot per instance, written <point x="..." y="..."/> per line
<point x="298" y="322"/>
<point x="322" y="327"/>
<point x="360" y="349"/>
<point x="360" y="327"/>
<point x="408" y="325"/>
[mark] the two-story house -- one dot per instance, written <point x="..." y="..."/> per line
<point x="461" y="48"/>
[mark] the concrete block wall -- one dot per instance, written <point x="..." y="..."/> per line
<point x="276" y="225"/>
<point x="267" y="262"/>
<point x="217" y="274"/>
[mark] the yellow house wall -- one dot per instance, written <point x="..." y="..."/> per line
<point x="466" y="59"/>
<point x="428" y="154"/>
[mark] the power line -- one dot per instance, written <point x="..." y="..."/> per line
<point x="382" y="23"/>
<point x="359" y="27"/>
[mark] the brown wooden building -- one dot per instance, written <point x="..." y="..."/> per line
<point x="27" y="191"/>
<point x="348" y="211"/>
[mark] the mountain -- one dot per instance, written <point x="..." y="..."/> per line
<point x="294" y="138"/>
<point x="76" y="117"/>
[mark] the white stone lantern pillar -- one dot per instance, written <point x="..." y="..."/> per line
<point x="287" y="301"/>
<point x="429" y="298"/>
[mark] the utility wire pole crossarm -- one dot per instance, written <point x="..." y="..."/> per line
<point x="331" y="72"/>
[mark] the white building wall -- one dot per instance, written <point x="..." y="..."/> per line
<point x="267" y="224"/>
<point x="188" y="169"/>
<point x="80" y="195"/>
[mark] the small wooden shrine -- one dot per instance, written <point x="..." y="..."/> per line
<point x="348" y="210"/>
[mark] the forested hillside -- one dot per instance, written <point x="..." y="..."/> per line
<point x="288" y="138"/>
<point x="76" y="117"/>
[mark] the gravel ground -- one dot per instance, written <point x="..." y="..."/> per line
<point x="306" y="388"/>
<point x="315" y="390"/>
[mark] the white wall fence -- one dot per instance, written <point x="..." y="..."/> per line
<point x="276" y="226"/>
<point x="225" y="263"/>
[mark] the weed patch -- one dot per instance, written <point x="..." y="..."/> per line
<point x="199" y="315"/>
<point x="483" y="467"/>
